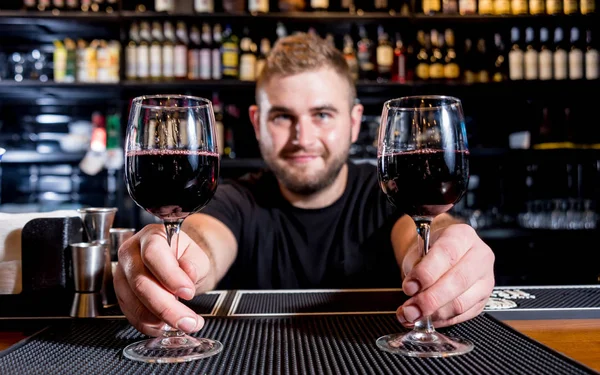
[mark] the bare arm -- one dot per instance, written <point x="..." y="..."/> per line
<point x="219" y="244"/>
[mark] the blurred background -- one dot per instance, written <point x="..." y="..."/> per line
<point x="526" y="70"/>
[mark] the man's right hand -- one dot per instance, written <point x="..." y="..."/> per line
<point x="149" y="276"/>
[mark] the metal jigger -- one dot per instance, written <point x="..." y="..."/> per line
<point x="117" y="237"/>
<point x="97" y="223"/>
<point x="88" y="272"/>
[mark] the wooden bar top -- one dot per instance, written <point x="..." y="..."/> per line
<point x="578" y="339"/>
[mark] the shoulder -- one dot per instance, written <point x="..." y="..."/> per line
<point x="363" y="174"/>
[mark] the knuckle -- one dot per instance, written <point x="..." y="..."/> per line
<point x="460" y="280"/>
<point x="139" y="284"/>
<point x="448" y="248"/>
<point x="458" y="306"/>
<point x="423" y="275"/>
<point x="428" y="302"/>
<point x="165" y="312"/>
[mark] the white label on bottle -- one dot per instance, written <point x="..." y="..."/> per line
<point x="142" y="61"/>
<point x="591" y="64"/>
<point x="164" y="5"/>
<point x="560" y="64"/>
<point x="155" y="61"/>
<point x="401" y="67"/>
<point x="385" y="56"/>
<point x="168" y="56"/>
<point x="515" y="65"/>
<point x="131" y="60"/>
<point x="467" y="6"/>
<point x="205" y="63"/>
<point x="531" y="64"/>
<point x="258" y="6"/>
<point x="216" y="64"/>
<point x="247" y="67"/>
<point x="204" y="6"/>
<point x="319" y="4"/>
<point x="545" y="65"/>
<point x="220" y="137"/>
<point x="180" y="61"/>
<point x="576" y="64"/>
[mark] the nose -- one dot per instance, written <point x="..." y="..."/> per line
<point x="305" y="132"/>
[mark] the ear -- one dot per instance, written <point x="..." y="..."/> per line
<point x="355" y="120"/>
<point x="254" y="113"/>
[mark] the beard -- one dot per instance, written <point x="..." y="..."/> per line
<point x="298" y="180"/>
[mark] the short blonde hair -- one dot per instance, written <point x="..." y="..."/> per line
<point x="303" y="52"/>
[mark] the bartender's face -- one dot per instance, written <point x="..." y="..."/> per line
<point x="304" y="125"/>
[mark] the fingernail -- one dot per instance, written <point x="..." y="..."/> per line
<point x="185" y="293"/>
<point x="412" y="313"/>
<point x="411" y="288"/>
<point x="187" y="324"/>
<point x="400" y="315"/>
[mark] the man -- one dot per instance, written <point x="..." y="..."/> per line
<point x="314" y="220"/>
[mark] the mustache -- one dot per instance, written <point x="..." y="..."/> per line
<point x="298" y="150"/>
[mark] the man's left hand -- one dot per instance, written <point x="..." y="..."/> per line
<point x="452" y="282"/>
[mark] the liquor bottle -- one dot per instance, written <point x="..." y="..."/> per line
<point x="560" y="56"/>
<point x="291" y="5"/>
<point x="466" y="7"/>
<point x="194" y="53"/>
<point x="450" y="6"/>
<point x="143" y="53"/>
<point x="451" y="68"/>
<point x="265" y="48"/>
<point x="591" y="58"/>
<point x="545" y="56"/>
<point x="230" y="54"/>
<point x="381" y="5"/>
<point x="258" y="6"/>
<point x="247" y="58"/>
<point x="501" y="7"/>
<point x="570" y="7"/>
<point x="86" y="5"/>
<point x="500" y="72"/>
<point x="220" y="128"/>
<point x="217" y="69"/>
<point x="44" y="5"/>
<point x="98" y="6"/>
<point x="486" y="6"/>
<point x="234" y="6"/>
<point x="350" y="56"/>
<point x="399" y="67"/>
<point x="431" y="7"/>
<point x="518" y="7"/>
<point x="482" y="71"/>
<point x="575" y="56"/>
<point x="436" y="60"/>
<point x="385" y="56"/>
<point x="365" y="56"/>
<point x="319" y="5"/>
<point x="422" y="68"/>
<point x="554" y="7"/>
<point x="204" y="6"/>
<point x="531" y="56"/>
<point x="536" y="7"/>
<point x="111" y="6"/>
<point x="280" y="31"/>
<point x="587" y="6"/>
<point x="206" y="53"/>
<point x="168" y="51"/>
<point x="181" y="52"/>
<point x="164" y="6"/>
<point x="156" y="52"/>
<point x="516" y="62"/>
<point x="58" y="6"/>
<point x="29" y="5"/>
<point x="469" y="62"/>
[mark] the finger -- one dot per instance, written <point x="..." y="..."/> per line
<point x="155" y="298"/>
<point x="480" y="292"/>
<point x="137" y="314"/>
<point x="467" y="315"/>
<point x="452" y="244"/>
<point x="473" y="266"/>
<point x="162" y="262"/>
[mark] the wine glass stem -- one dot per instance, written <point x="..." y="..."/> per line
<point x="172" y="228"/>
<point x="424" y="324"/>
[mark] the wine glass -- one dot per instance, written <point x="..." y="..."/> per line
<point x="171" y="168"/>
<point x="423" y="168"/>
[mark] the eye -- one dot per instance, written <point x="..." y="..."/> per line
<point x="323" y="115"/>
<point x="282" y="119"/>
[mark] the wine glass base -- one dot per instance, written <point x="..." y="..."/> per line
<point x="183" y="348"/>
<point x="419" y="344"/>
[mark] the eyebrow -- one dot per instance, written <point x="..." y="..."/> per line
<point x="325" y="107"/>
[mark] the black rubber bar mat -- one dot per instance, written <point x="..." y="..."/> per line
<point x="204" y="304"/>
<point x="385" y="301"/>
<point x="342" y="344"/>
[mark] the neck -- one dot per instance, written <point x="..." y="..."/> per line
<point x="322" y="198"/>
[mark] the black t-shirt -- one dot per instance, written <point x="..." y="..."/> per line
<point x="344" y="245"/>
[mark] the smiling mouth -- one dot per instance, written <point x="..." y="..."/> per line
<point x="301" y="158"/>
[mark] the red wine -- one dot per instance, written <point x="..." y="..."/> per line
<point x="424" y="182"/>
<point x="172" y="184"/>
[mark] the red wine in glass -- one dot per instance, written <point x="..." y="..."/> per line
<point x="172" y="184"/>
<point x="424" y="182"/>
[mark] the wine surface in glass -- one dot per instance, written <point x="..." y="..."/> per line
<point x="424" y="182"/>
<point x="171" y="184"/>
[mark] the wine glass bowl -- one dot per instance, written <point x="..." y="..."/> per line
<point x="423" y="168"/>
<point x="172" y="169"/>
